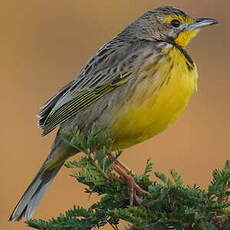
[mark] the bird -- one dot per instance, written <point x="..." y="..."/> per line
<point x="133" y="87"/>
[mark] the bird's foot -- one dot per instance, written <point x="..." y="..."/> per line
<point x="133" y="188"/>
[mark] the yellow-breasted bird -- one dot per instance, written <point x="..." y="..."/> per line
<point x="133" y="87"/>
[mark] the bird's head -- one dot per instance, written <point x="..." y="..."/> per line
<point x="168" y="24"/>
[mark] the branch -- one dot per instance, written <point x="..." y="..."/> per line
<point x="169" y="205"/>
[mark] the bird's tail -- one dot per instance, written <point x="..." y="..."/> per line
<point x="36" y="190"/>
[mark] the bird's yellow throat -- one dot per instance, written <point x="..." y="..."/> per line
<point x="185" y="37"/>
<point x="156" y="103"/>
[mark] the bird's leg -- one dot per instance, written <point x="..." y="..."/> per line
<point x="122" y="165"/>
<point x="133" y="187"/>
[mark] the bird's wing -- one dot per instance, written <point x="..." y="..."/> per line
<point x="83" y="99"/>
<point x="109" y="69"/>
<point x="49" y="105"/>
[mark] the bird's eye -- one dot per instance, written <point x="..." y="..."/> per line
<point x="175" y="23"/>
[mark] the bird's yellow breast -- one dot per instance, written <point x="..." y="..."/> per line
<point x="157" y="100"/>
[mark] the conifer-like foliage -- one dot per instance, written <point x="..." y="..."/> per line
<point x="170" y="204"/>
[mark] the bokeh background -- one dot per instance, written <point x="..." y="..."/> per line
<point x="43" y="45"/>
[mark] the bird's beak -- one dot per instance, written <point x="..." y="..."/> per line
<point x="201" y="22"/>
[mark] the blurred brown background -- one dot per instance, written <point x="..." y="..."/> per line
<point x="43" y="46"/>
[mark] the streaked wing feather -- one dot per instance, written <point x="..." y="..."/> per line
<point x="49" y="105"/>
<point x="82" y="100"/>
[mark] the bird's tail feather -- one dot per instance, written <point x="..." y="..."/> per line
<point x="34" y="193"/>
<point x="30" y="200"/>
